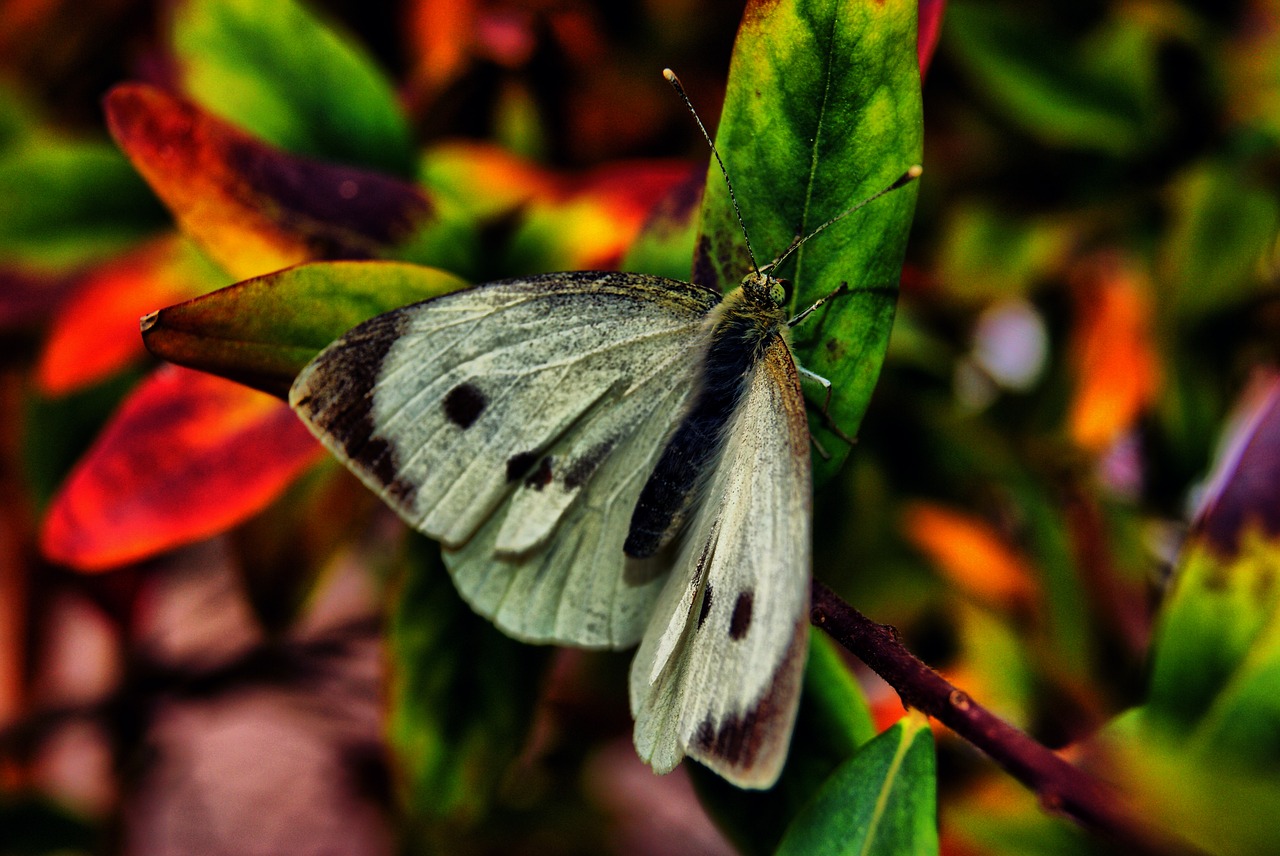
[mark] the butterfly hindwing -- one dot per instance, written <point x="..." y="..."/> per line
<point x="515" y="422"/>
<point x="719" y="672"/>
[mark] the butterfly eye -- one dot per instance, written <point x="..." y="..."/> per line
<point x="786" y="292"/>
<point x="777" y="291"/>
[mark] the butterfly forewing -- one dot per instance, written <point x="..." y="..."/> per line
<point x="719" y="672"/>
<point x="578" y="585"/>
<point x="522" y="392"/>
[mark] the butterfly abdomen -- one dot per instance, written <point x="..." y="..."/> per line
<point x="741" y="330"/>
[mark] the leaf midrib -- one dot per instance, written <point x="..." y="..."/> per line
<point x="909" y="731"/>
<point x="817" y="135"/>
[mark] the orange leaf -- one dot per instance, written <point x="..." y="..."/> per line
<point x="1113" y="355"/>
<point x="592" y="222"/>
<point x="970" y="553"/>
<point x="95" y="334"/>
<point x="440" y="36"/>
<point x="486" y="179"/>
<point x="187" y="456"/>
<point x="255" y="208"/>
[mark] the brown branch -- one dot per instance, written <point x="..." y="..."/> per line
<point x="1061" y="787"/>
<point x="1122" y="610"/>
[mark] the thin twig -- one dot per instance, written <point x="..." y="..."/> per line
<point x="1121" y="609"/>
<point x="1061" y="787"/>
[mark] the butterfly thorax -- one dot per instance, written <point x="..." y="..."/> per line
<point x="742" y="326"/>
<point x="751" y="315"/>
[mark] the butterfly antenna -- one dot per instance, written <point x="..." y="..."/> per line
<point x="675" y="84"/>
<point x="903" y="180"/>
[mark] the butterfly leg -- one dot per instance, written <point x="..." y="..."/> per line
<point x="806" y="375"/>
<point x="841" y="289"/>
<point x="814" y="377"/>
<point x="818" y="447"/>
<point x="827" y="421"/>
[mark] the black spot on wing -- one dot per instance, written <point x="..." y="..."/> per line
<point x="737" y="740"/>
<point x="340" y="395"/>
<point x="519" y="465"/>
<point x="464" y="404"/>
<point x="384" y="464"/>
<point x="579" y="471"/>
<point x="541" y="476"/>
<point x="741" y="737"/>
<point x="706" y="606"/>
<point x="741" y="621"/>
<point x="705" y="737"/>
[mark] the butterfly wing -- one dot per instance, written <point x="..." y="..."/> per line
<point x="514" y="422"/>
<point x="719" y="672"/>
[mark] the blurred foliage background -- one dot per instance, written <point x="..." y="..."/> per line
<point x="192" y="601"/>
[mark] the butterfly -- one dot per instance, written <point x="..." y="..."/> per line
<point x="606" y="458"/>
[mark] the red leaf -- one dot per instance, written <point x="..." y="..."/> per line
<point x="95" y="332"/>
<point x="253" y="207"/>
<point x="187" y="456"/>
<point x="624" y="195"/>
<point x="589" y="222"/>
<point x="928" y="28"/>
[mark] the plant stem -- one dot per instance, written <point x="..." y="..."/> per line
<point x="1061" y="787"/>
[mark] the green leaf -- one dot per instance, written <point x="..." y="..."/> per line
<point x="822" y="111"/>
<point x="881" y="801"/>
<point x="1207" y="799"/>
<point x="518" y="127"/>
<point x="1097" y="94"/>
<point x="1215" y="614"/>
<point x="277" y="71"/>
<point x="1202" y="756"/>
<point x="835" y="710"/>
<point x="17" y="120"/>
<point x="1224" y="228"/>
<point x="993" y="649"/>
<point x="834" y="720"/>
<point x="988" y="254"/>
<point x="262" y="331"/>
<point x="71" y="203"/>
<point x="462" y="698"/>
<point x="1217" y="639"/>
<point x="1244" y="722"/>
<point x="1003" y="818"/>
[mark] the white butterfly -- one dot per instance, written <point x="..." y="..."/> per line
<point x="605" y="458"/>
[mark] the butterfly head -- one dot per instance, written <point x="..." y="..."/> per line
<point x="765" y="290"/>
